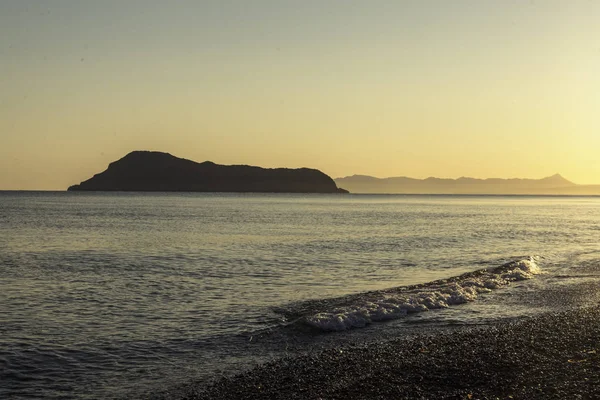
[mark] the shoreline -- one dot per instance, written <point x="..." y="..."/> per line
<point x="549" y="356"/>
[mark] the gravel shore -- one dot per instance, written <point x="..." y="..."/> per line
<point x="551" y="356"/>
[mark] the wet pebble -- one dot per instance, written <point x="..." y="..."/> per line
<point x="551" y="356"/>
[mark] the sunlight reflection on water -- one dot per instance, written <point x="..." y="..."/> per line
<point x="112" y="289"/>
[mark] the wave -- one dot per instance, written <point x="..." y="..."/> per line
<point x="356" y="311"/>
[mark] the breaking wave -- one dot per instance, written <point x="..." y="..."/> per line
<point x="357" y="311"/>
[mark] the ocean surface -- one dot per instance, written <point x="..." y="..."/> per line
<point x="122" y="295"/>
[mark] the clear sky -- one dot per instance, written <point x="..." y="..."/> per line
<point x="480" y="88"/>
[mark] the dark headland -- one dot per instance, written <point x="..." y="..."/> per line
<point x="152" y="171"/>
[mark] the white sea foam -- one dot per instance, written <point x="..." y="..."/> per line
<point x="382" y="306"/>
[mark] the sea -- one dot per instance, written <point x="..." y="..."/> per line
<point x="135" y="295"/>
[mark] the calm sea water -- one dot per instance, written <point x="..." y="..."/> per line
<point x="120" y="295"/>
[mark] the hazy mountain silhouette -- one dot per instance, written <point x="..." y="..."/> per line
<point x="554" y="184"/>
<point x="157" y="171"/>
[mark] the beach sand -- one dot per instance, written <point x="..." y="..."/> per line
<point x="550" y="356"/>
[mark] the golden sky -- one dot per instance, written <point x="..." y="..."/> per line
<point x="478" y="88"/>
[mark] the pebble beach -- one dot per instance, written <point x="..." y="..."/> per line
<point x="550" y="356"/>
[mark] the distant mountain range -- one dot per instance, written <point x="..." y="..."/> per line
<point x="554" y="184"/>
<point x="153" y="171"/>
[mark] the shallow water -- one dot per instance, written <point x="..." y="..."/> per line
<point x="108" y="295"/>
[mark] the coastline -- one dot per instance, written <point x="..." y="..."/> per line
<point x="144" y="294"/>
<point x="552" y="355"/>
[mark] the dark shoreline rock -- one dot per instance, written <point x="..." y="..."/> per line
<point x="150" y="171"/>
<point x="550" y="356"/>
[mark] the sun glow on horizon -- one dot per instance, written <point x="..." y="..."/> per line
<point x="468" y="88"/>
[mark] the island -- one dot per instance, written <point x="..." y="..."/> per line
<point x="153" y="171"/>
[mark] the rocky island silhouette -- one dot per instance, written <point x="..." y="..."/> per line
<point x="153" y="171"/>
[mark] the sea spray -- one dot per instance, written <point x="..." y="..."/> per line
<point x="397" y="303"/>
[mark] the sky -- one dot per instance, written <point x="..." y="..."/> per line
<point x="479" y="88"/>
